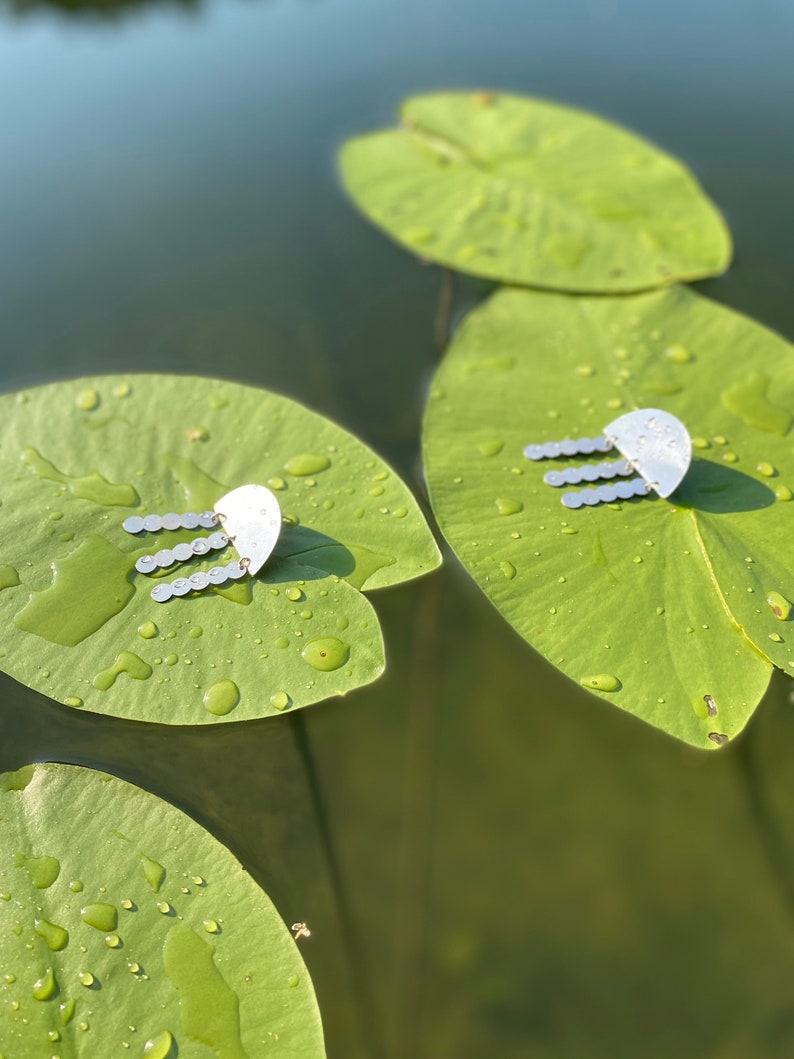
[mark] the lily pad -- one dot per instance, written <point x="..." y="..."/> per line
<point x="128" y="929"/>
<point x="529" y="192"/>
<point x="676" y="610"/>
<point x="77" y="458"/>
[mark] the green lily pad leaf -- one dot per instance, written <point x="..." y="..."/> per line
<point x="128" y="929"/>
<point x="529" y="192"/>
<point x="676" y="610"/>
<point x="77" y="458"/>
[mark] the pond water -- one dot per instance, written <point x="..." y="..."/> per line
<point x="492" y="862"/>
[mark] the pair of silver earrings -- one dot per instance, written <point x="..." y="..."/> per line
<point x="655" y="447"/>
<point x="250" y="520"/>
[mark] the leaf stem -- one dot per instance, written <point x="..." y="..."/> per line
<point x="767" y="829"/>
<point x="363" y="999"/>
<point x="411" y="918"/>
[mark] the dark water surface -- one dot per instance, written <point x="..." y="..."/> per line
<point x="493" y="862"/>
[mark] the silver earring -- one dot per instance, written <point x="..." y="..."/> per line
<point x="250" y="517"/>
<point x="655" y="446"/>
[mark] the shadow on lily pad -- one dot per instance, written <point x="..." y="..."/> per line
<point x="720" y="490"/>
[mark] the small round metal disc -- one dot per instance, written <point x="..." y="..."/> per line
<point x="146" y="564"/>
<point x="217" y="540"/>
<point x="162" y="593"/>
<point x="200" y="546"/>
<point x="572" y="500"/>
<point x="182" y="552"/>
<point x="534" y="452"/>
<point x="608" y="493"/>
<point x="602" y="444"/>
<point x="590" y="472"/>
<point x="572" y="476"/>
<point x="624" y="490"/>
<point x="235" y="571"/>
<point x="641" y="487"/>
<point x="555" y="478"/>
<point x="190" y="520"/>
<point x="585" y="445"/>
<point x="164" y="558"/>
<point x="590" y="497"/>
<point x="199" y="580"/>
<point x="218" y="575"/>
<point x="180" y="586"/>
<point x="152" y="523"/>
<point x="551" y="450"/>
<point x="207" y="520"/>
<point x="171" y="521"/>
<point x="606" y="470"/>
<point x="133" y="524"/>
<point x="568" y="447"/>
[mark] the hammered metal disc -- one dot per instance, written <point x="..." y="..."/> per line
<point x="251" y="515"/>
<point x="656" y="444"/>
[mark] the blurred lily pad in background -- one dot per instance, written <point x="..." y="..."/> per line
<point x="529" y="192"/>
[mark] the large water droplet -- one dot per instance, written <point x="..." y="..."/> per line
<point x="126" y="662"/>
<point x="306" y="463"/>
<point x="781" y="607"/>
<point x="87" y="400"/>
<point x="507" y="506"/>
<point x="148" y="630"/>
<point x="326" y="653"/>
<point x="43" y="871"/>
<point x="56" y="937"/>
<point x="153" y="872"/>
<point x="45" y="987"/>
<point x="221" y="698"/>
<point x="491" y="447"/>
<point x="601" y="682"/>
<point x="101" y="915"/>
<point x="159" y="1046"/>
<point x="279" y="700"/>
<point x="678" y="354"/>
<point x="748" y="399"/>
<point x="9" y="578"/>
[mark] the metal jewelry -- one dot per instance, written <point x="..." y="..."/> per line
<point x="250" y="517"/>
<point x="655" y="446"/>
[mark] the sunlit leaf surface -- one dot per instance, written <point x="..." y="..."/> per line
<point x="128" y="930"/>
<point x="529" y="192"/>
<point x="78" y="458"/>
<point x="676" y="610"/>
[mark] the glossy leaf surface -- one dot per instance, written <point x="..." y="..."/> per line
<point x="128" y="929"/>
<point x="77" y="458"/>
<point x="676" y="610"/>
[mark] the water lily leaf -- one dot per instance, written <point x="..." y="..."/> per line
<point x="77" y="458"/>
<point x="676" y="610"/>
<point x="530" y="192"/>
<point x="128" y="929"/>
